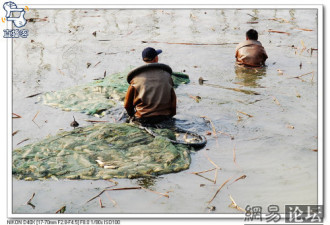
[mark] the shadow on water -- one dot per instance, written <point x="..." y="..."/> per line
<point x="249" y="77"/>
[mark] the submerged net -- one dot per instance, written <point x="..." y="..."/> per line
<point x="101" y="151"/>
<point x="98" y="96"/>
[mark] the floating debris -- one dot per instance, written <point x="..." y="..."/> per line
<point x="211" y="208"/>
<point x="205" y="171"/>
<point x="290" y="126"/>
<point x="280" y="32"/>
<point x="234" y="205"/>
<point x="26" y="139"/>
<point x="97" y="64"/>
<point x="244" y="113"/>
<point x="61" y="210"/>
<point x="88" y="65"/>
<point x="281" y="20"/>
<point x="304" y="29"/>
<point x="33" y="20"/>
<point x="241" y="177"/>
<point x="216" y="193"/>
<point x="15" y="132"/>
<point x="97" y="121"/>
<point x="35" y="116"/>
<point x="74" y="124"/>
<point x="29" y="202"/>
<point x="196" y="98"/>
<point x="231" y="136"/>
<point x="16" y="116"/>
<point x="30" y="96"/>
<point x="201" y="81"/>
<point x="101" y="205"/>
<point x="212" y="125"/>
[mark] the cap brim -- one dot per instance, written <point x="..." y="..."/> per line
<point x="159" y="51"/>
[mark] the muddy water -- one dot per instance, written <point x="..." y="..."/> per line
<point x="273" y="146"/>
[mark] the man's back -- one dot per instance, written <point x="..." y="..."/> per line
<point x="151" y="92"/>
<point x="250" y="53"/>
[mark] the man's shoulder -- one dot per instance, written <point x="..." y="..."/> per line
<point x="147" y="67"/>
<point x="248" y="43"/>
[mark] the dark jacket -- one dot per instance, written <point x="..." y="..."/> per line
<point x="250" y="53"/>
<point x="150" y="92"/>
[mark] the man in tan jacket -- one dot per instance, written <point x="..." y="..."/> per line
<point x="150" y="97"/>
<point x="251" y="52"/>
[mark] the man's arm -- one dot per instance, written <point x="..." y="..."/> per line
<point x="128" y="102"/>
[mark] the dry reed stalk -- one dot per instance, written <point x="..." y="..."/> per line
<point x="277" y="102"/>
<point x="16" y="116"/>
<point x="101" y="205"/>
<point x="215" y="176"/>
<point x="97" y="64"/>
<point x="241" y="177"/>
<point x="218" y="191"/>
<point x="182" y="43"/>
<point x="304" y="74"/>
<point x="29" y="202"/>
<point x="280" y="20"/>
<point x="97" y="121"/>
<point x="15" y="132"/>
<point x="212" y="125"/>
<point x="304" y="29"/>
<point x="231" y="137"/>
<point x="212" y="161"/>
<point x="205" y="178"/>
<point x="234" y="154"/>
<point x="35" y="115"/>
<point x="26" y="139"/>
<point x="61" y="72"/>
<point x="312" y="77"/>
<point x="96" y="196"/>
<point x="61" y="210"/>
<point x="125" y="188"/>
<point x="244" y="113"/>
<point x="280" y="32"/>
<point x="113" y="201"/>
<point x="303" y="46"/>
<point x="234" y="205"/>
<point x="162" y="194"/>
<point x="196" y="98"/>
<point x="205" y="171"/>
<point x="30" y="96"/>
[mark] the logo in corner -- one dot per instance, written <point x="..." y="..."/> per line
<point x="19" y="22"/>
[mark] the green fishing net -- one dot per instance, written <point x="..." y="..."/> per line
<point x="98" y="96"/>
<point x="101" y="151"/>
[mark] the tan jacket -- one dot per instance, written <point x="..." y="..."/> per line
<point x="150" y="92"/>
<point x="250" y="53"/>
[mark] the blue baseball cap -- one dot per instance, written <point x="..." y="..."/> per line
<point x="149" y="53"/>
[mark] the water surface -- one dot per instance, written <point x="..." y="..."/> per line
<point x="273" y="147"/>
